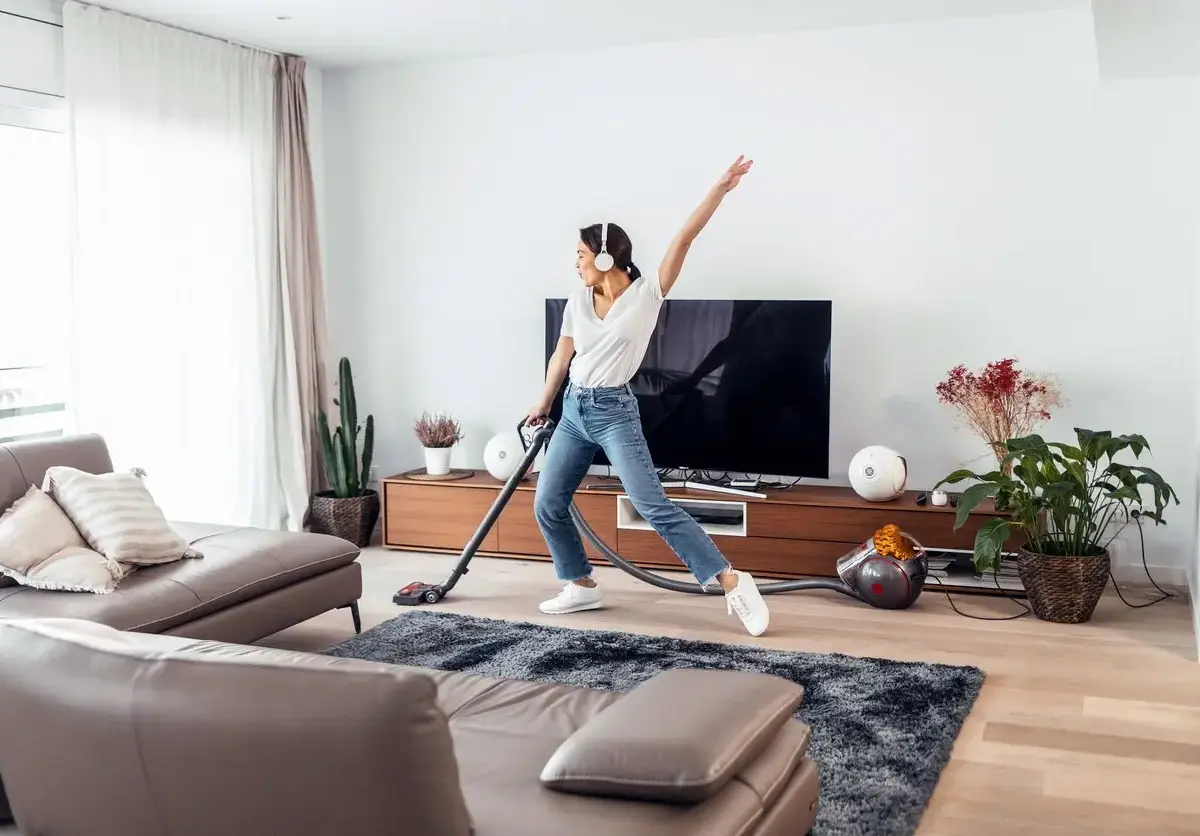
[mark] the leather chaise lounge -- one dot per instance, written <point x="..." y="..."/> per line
<point x="106" y="732"/>
<point x="250" y="583"/>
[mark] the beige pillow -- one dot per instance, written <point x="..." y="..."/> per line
<point x="117" y="516"/>
<point x="41" y="548"/>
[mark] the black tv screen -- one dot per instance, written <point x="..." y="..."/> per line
<point x="732" y="386"/>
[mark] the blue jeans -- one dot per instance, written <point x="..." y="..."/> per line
<point x="607" y="419"/>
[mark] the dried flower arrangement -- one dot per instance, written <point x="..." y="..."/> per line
<point x="437" y="431"/>
<point x="1000" y="402"/>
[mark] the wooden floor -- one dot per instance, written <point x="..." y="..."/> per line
<point x="1080" y="729"/>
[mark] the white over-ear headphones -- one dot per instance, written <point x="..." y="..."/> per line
<point x="604" y="262"/>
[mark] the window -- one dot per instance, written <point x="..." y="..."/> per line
<point x="34" y="266"/>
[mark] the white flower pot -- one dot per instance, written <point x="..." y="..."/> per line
<point x="437" y="460"/>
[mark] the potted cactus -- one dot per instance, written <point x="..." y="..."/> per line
<point x="349" y="509"/>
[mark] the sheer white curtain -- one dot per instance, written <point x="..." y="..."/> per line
<point x="178" y="345"/>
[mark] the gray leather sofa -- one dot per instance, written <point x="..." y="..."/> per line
<point x="250" y="583"/>
<point x="108" y="732"/>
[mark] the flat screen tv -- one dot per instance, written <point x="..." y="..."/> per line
<point x="732" y="386"/>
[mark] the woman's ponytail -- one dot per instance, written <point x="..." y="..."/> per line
<point x="633" y="271"/>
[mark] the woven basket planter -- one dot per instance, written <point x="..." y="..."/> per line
<point x="352" y="518"/>
<point x="1064" y="590"/>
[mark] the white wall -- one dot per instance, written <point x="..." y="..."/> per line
<point x="31" y="46"/>
<point x="1192" y="561"/>
<point x="961" y="191"/>
<point x="1194" y="593"/>
<point x="1147" y="38"/>
<point x="1193" y="583"/>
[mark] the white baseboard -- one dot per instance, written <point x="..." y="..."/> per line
<point x="1134" y="574"/>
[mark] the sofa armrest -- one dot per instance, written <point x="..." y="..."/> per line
<point x="679" y="737"/>
<point x="275" y="741"/>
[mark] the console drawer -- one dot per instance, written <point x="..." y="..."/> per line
<point x="427" y="516"/>
<point x="767" y="556"/>
<point x="519" y="533"/>
<point x="854" y="525"/>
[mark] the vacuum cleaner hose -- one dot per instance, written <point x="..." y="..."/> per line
<point x="542" y="436"/>
<point x="654" y="579"/>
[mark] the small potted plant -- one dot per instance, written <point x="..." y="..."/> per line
<point x="438" y="434"/>
<point x="349" y="509"/>
<point x="1061" y="500"/>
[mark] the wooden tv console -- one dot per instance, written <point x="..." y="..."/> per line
<point x="795" y="532"/>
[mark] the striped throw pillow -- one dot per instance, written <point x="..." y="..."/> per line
<point x="117" y="516"/>
<point x="40" y="548"/>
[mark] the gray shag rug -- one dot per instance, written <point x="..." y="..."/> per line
<point x="882" y="730"/>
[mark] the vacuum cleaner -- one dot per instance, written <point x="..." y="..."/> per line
<point x="887" y="571"/>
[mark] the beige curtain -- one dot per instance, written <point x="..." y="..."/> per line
<point x="306" y="336"/>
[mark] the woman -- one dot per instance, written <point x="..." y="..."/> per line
<point x="606" y="328"/>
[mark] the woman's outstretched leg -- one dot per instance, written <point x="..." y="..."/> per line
<point x="625" y="446"/>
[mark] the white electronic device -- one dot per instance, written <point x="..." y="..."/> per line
<point x="502" y="455"/>
<point x="878" y="473"/>
<point x="604" y="261"/>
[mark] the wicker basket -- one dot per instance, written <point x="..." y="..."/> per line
<point x="1064" y="590"/>
<point x="352" y="518"/>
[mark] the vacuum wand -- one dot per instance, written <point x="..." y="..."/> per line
<point x="417" y="592"/>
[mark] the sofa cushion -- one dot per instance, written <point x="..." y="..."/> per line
<point x="24" y="463"/>
<point x="140" y="602"/>
<point x="528" y="722"/>
<point x="506" y="798"/>
<point x="117" y="515"/>
<point x="238" y="564"/>
<point x="645" y="745"/>
<point x="40" y="548"/>
<point x="12" y="488"/>
<point x="243" y="563"/>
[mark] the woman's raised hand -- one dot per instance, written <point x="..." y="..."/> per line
<point x="733" y="174"/>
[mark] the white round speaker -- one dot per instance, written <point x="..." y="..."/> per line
<point x="878" y="473"/>
<point x="502" y="455"/>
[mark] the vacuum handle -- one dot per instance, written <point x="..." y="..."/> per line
<point x="546" y="427"/>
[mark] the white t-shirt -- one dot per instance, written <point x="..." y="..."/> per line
<point x="609" y="351"/>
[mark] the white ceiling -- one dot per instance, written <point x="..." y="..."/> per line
<point x="342" y="32"/>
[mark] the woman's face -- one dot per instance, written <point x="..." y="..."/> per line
<point x="585" y="265"/>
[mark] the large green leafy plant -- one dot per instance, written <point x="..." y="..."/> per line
<point x="346" y="476"/>
<point x="1062" y="497"/>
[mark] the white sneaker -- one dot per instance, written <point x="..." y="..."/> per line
<point x="745" y="600"/>
<point x="573" y="598"/>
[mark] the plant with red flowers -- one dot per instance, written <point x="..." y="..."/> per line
<point x="1060" y="502"/>
<point x="1000" y="402"/>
